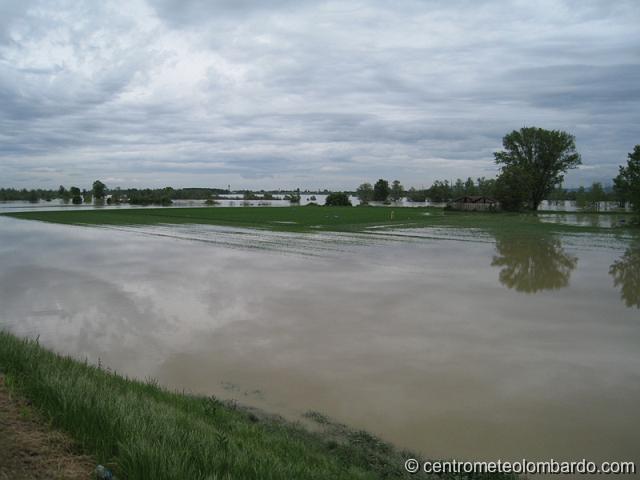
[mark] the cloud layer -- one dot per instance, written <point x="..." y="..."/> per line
<point x="307" y="94"/>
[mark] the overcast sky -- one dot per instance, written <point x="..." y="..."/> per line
<point x="294" y="93"/>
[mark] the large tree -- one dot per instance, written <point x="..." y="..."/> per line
<point x="627" y="183"/>
<point x="542" y="155"/>
<point x="381" y="191"/>
<point x="99" y="190"/>
<point x="511" y="188"/>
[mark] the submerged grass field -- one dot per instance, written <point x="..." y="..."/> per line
<point x="274" y="218"/>
<point x="143" y="431"/>
<point x="308" y="218"/>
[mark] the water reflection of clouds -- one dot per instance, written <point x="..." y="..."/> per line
<point x="108" y="292"/>
<point x="77" y="312"/>
<point x="404" y="338"/>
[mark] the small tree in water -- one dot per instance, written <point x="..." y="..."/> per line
<point x="64" y="194"/>
<point x="76" y="197"/>
<point x="365" y="193"/>
<point x="397" y="191"/>
<point x="511" y="188"/>
<point x="293" y="197"/>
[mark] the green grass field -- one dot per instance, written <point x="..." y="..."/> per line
<point x="304" y="219"/>
<point x="275" y="218"/>
<point x="143" y="431"/>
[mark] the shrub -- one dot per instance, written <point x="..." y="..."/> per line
<point x="338" y="199"/>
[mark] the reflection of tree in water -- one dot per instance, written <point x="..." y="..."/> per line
<point x="626" y="275"/>
<point x="533" y="263"/>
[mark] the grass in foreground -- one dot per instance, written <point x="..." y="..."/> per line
<point x="29" y="448"/>
<point x="144" y="431"/>
<point x="305" y="219"/>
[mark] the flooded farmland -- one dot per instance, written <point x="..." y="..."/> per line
<point x="453" y="343"/>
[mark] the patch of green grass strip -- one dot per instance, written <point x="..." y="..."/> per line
<point x="309" y="218"/>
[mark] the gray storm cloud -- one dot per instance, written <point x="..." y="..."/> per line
<point x="310" y="94"/>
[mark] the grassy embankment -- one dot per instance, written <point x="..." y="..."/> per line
<point x="307" y="219"/>
<point x="144" y="431"/>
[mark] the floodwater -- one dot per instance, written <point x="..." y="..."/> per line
<point x="452" y="343"/>
<point x="585" y="220"/>
<point x="235" y="200"/>
<point x="224" y="200"/>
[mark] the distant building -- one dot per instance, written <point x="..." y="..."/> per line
<point x="474" y="202"/>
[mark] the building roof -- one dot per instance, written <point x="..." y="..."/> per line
<point x="475" y="199"/>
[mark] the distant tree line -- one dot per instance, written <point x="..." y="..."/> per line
<point x="532" y="163"/>
<point x="587" y="198"/>
<point x="99" y="193"/>
<point x="164" y="196"/>
<point x="444" y="191"/>
<point x="34" y="195"/>
<point x="196" y="193"/>
<point x="293" y="197"/>
<point x="440" y="190"/>
<point x="380" y="192"/>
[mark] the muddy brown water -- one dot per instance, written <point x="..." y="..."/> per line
<point x="460" y="345"/>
